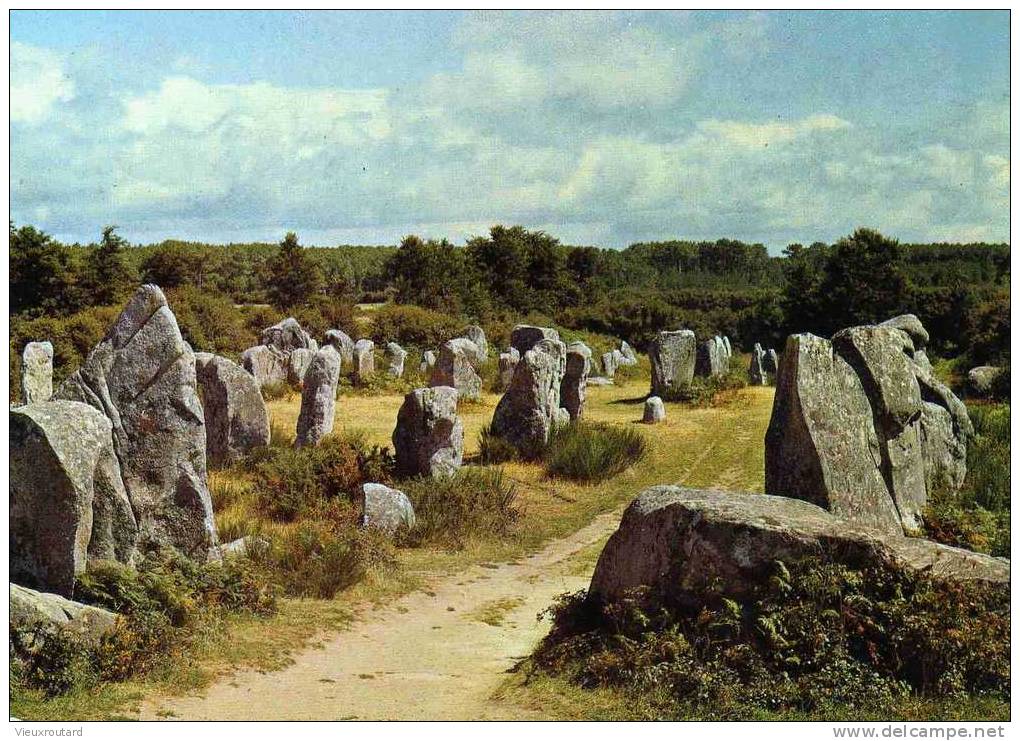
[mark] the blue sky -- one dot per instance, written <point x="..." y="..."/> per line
<point x="602" y="128"/>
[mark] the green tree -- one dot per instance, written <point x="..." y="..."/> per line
<point x="292" y="277"/>
<point x="864" y="280"/>
<point x="108" y="277"/>
<point x="43" y="274"/>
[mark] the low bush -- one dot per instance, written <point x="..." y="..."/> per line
<point x="589" y="452"/>
<point x="474" y="502"/>
<point x="493" y="449"/>
<point x="413" y="326"/>
<point x="712" y="391"/>
<point x="810" y="637"/>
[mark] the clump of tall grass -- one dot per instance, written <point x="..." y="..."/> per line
<point x="275" y="390"/>
<point x="589" y="452"/>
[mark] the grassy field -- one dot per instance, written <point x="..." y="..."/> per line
<point x="720" y="446"/>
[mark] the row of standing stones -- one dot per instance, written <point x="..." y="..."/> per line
<point x="861" y="431"/>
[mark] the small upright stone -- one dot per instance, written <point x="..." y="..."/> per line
<point x="318" y="398"/>
<point x="288" y="335"/>
<point x="772" y="362"/>
<point x="609" y="364"/>
<point x="385" y="509"/>
<point x="297" y="365"/>
<point x="364" y="360"/>
<point x="655" y="411"/>
<point x="629" y="356"/>
<point x="673" y="356"/>
<point x="530" y="408"/>
<point x="507" y="362"/>
<point x="454" y="368"/>
<point x="710" y="360"/>
<point x="428" y="362"/>
<point x="236" y="419"/>
<point x="429" y="437"/>
<point x="266" y="364"/>
<point x="757" y="373"/>
<point x="477" y="335"/>
<point x="37" y="372"/>
<point x="575" y="379"/>
<point x="395" y="356"/>
<point x="981" y="380"/>
<point x="343" y="344"/>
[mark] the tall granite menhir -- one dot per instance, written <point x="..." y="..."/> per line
<point x="861" y="427"/>
<point x="142" y="377"/>
<point x="530" y="407"/>
<point x="673" y="356"/>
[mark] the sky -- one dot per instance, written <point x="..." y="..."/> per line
<point x="601" y="128"/>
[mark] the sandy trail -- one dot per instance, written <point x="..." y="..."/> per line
<point x="424" y="656"/>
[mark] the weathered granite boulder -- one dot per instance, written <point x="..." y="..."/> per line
<point x="318" y="398"/>
<point x="36" y="612"/>
<point x="298" y="361"/>
<point x="343" y="344"/>
<point x="428" y="362"/>
<point x="575" y="378"/>
<point x="523" y="337"/>
<point x="599" y="381"/>
<point x="385" y="509"/>
<point x="980" y="380"/>
<point x="771" y="363"/>
<point x="655" y="411"/>
<point x="677" y="541"/>
<point x="861" y="428"/>
<point x="363" y="360"/>
<point x="36" y="372"/>
<point x="429" y="437"/>
<point x="236" y="418"/>
<point x="67" y="499"/>
<point x="609" y="364"/>
<point x="530" y="407"/>
<point x="455" y="367"/>
<point x="629" y="356"/>
<point x="266" y="364"/>
<point x="912" y="326"/>
<point x="288" y="335"/>
<point x="507" y="362"/>
<point x="395" y="357"/>
<point x="673" y="355"/>
<point x="142" y="377"/>
<point x="729" y="347"/>
<point x="477" y="335"/>
<point x="710" y="359"/>
<point x="756" y="372"/>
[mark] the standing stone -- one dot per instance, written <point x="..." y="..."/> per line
<point x="529" y="409"/>
<point x="236" y="419"/>
<point x="477" y="335"/>
<point x="672" y="355"/>
<point x="37" y="372"/>
<point x="428" y="362"/>
<point x="729" y="347"/>
<point x="507" y="362"/>
<point x="575" y="378"/>
<point x="142" y="377"/>
<point x="429" y="437"/>
<point x="318" y="398"/>
<point x="609" y="364"/>
<point x="364" y="360"/>
<point x="710" y="360"/>
<point x="385" y="509"/>
<point x="67" y="499"/>
<point x="454" y="367"/>
<point x="266" y="364"/>
<point x="524" y="337"/>
<point x="395" y="356"/>
<point x="629" y="356"/>
<point x="297" y="365"/>
<point x="288" y="335"/>
<point x="772" y="362"/>
<point x="980" y="380"/>
<point x="343" y="344"/>
<point x="655" y="411"/>
<point x="757" y="372"/>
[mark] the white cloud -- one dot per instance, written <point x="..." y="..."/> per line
<point x="38" y="83"/>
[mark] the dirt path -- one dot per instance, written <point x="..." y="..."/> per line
<point x="428" y="655"/>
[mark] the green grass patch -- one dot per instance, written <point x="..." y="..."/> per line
<point x="588" y="451"/>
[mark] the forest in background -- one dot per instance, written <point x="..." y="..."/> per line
<point x="224" y="295"/>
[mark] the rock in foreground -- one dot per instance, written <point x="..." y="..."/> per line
<point x="676" y="541"/>
<point x="385" y="509"/>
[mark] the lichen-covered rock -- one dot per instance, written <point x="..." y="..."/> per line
<point x="142" y="377"/>
<point x="655" y="411"/>
<point x="477" y="335"/>
<point x="236" y="418"/>
<point x="429" y="437"/>
<point x="756" y="372"/>
<point x="297" y="365"/>
<point x="771" y="362"/>
<point x="728" y="346"/>
<point x="266" y="364"/>
<point x="343" y="344"/>
<point x="673" y="356"/>
<point x="67" y="499"/>
<point x="36" y="372"/>
<point x="455" y="367"/>
<point x="523" y="337"/>
<point x="36" y="613"/>
<point x="530" y="407"/>
<point x="507" y="362"/>
<point x="677" y="542"/>
<point x="575" y="378"/>
<point x="980" y="380"/>
<point x="288" y="335"/>
<point x="629" y="356"/>
<point x="385" y="509"/>
<point x="428" y="362"/>
<point x="912" y="327"/>
<point x="609" y="364"/>
<point x="710" y="359"/>
<point x="318" y="398"/>
<point x="395" y="357"/>
<point x="363" y="360"/>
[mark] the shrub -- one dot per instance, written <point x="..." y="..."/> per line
<point x="209" y="321"/>
<point x="475" y="501"/>
<point x="493" y="449"/>
<point x="810" y="636"/>
<point x="590" y="452"/>
<point x="413" y="326"/>
<point x="712" y="391"/>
